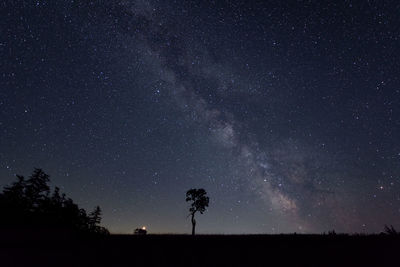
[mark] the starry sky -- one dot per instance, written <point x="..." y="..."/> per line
<point x="286" y="112"/>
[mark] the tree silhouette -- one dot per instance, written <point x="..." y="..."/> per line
<point x="36" y="189"/>
<point x="95" y="216"/>
<point x="29" y="203"/>
<point x="199" y="203"/>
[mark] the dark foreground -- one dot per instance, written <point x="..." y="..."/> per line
<point x="207" y="250"/>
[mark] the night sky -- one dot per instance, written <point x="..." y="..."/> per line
<point x="286" y="112"/>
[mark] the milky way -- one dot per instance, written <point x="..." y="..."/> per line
<point x="287" y="113"/>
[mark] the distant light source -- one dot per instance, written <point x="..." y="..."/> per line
<point x="140" y="231"/>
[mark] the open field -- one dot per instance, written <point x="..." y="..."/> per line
<point x="202" y="250"/>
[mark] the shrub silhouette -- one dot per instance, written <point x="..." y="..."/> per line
<point x="390" y="230"/>
<point x="30" y="203"/>
<point x="199" y="203"/>
<point x="332" y="232"/>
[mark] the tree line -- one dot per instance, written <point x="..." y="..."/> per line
<point x="31" y="203"/>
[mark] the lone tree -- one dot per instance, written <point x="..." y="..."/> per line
<point x="199" y="203"/>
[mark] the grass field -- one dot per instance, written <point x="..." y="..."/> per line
<point x="202" y="250"/>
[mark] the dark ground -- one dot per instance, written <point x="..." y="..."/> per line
<point x="66" y="249"/>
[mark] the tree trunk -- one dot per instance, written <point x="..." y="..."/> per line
<point x="193" y="224"/>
